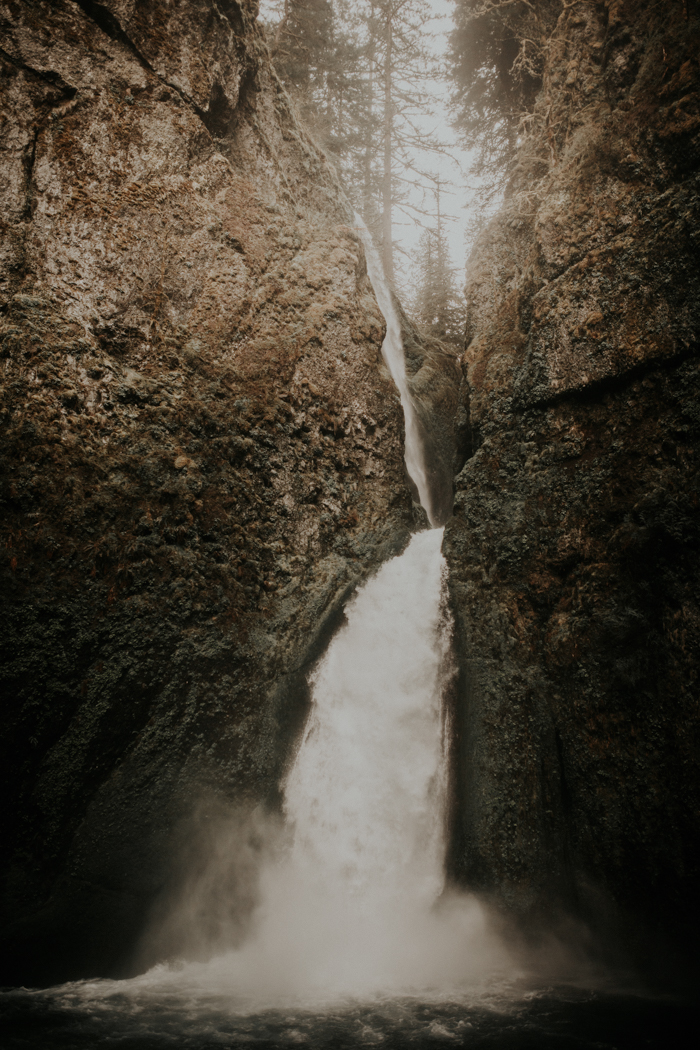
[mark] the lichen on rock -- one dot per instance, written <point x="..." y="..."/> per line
<point x="573" y="551"/>
<point x="201" y="452"/>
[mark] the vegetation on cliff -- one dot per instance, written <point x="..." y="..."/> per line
<point x="201" y="452"/>
<point x="574" y="548"/>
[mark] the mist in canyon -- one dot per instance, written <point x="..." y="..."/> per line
<point x="348" y="639"/>
<point x="351" y="894"/>
<point x="351" y="900"/>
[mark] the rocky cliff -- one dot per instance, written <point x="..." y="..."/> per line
<point x="573" y="551"/>
<point x="201" y="457"/>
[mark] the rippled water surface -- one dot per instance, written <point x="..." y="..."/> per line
<point x="100" y="1014"/>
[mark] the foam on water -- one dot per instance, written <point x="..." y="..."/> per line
<point x="503" y="1019"/>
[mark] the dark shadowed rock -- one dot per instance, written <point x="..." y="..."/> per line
<point x="434" y="382"/>
<point x="201" y="456"/>
<point x="573" y="553"/>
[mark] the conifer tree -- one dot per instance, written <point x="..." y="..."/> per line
<point x="496" y="59"/>
<point x="356" y="71"/>
<point x="405" y="64"/>
<point x="303" y="49"/>
<point x="439" y="308"/>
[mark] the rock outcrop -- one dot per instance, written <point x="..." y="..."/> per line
<point x="573" y="553"/>
<point x="434" y="383"/>
<point x="202" y="454"/>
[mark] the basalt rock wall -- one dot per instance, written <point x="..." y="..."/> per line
<point x="202" y="455"/>
<point x="573" y="552"/>
<point x="436" y="389"/>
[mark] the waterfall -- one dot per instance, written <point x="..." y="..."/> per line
<point x="364" y="798"/>
<point x="353" y="906"/>
<point x="392" y="352"/>
<point x="366" y="793"/>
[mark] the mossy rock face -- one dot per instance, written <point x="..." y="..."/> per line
<point x="573" y="552"/>
<point x="201" y="458"/>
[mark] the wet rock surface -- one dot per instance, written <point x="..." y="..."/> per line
<point x="436" y="389"/>
<point x="573" y="551"/>
<point x="201" y="456"/>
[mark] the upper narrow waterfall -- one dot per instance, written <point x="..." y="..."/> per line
<point x="392" y="352"/>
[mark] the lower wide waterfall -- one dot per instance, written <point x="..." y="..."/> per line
<point x="355" y="941"/>
<point x="353" y="903"/>
<point x="351" y="907"/>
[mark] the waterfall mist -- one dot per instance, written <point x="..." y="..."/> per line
<point x="351" y="907"/>
<point x="354" y="903"/>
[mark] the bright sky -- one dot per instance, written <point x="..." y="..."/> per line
<point x="457" y="200"/>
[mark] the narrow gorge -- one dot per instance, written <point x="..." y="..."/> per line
<point x="202" y="455"/>
<point x="202" y="460"/>
<point x="573" y="549"/>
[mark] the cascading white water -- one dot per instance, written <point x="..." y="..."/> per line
<point x="365" y="795"/>
<point x="349" y="908"/>
<point x="393" y="354"/>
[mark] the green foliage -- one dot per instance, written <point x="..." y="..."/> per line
<point x="438" y="307"/>
<point x="356" y="72"/>
<point x="496" y="58"/>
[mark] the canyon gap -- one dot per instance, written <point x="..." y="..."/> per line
<point x="202" y="458"/>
